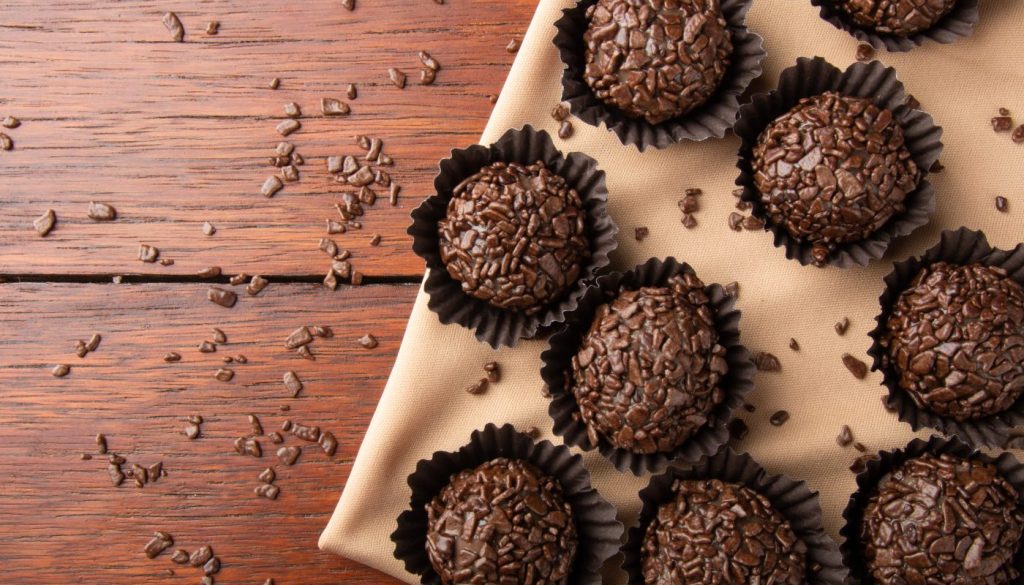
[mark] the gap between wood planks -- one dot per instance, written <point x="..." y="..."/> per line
<point x="6" y="278"/>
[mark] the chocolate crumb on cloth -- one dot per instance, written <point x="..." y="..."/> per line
<point x="510" y="485"/>
<point x="950" y="339"/>
<point x="794" y="188"/>
<point x="657" y="74"/>
<point x="666" y="317"/>
<point x="936" y="511"/>
<point x="530" y="266"/>
<point x="901" y="25"/>
<point x="726" y="520"/>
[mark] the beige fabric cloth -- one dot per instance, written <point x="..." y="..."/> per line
<point x="424" y="407"/>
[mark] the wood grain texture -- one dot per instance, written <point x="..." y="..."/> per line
<point x="61" y="520"/>
<point x="175" y="134"/>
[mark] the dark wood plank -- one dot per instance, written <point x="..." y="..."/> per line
<point x="174" y="134"/>
<point x="61" y="519"/>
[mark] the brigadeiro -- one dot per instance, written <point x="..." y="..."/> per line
<point x="512" y="234"/>
<point x="504" y="509"/>
<point x="501" y="520"/>
<point x="833" y="162"/>
<point x="950" y="339"/>
<point x="727" y="522"/>
<point x="648" y="372"/>
<point x="833" y="170"/>
<point x="650" y="368"/>
<point x="936" y="512"/>
<point x="656" y="60"/>
<point x="655" y="71"/>
<point x="900" y="25"/>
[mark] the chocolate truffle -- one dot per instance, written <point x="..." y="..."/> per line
<point x="833" y="170"/>
<point x="656" y="59"/>
<point x="942" y="520"/>
<point x="900" y="18"/>
<point x="647" y="374"/>
<point x="502" y="522"/>
<point x="720" y="533"/>
<point x="955" y="338"/>
<point x="515" y="236"/>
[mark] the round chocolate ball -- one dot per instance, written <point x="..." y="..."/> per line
<point x="715" y="532"/>
<point x="955" y="337"/>
<point x="647" y="374"/>
<point x="504" y="521"/>
<point x="942" y="520"/>
<point x="656" y="59"/>
<point x="900" y="18"/>
<point x="833" y="170"/>
<point x="515" y="236"/>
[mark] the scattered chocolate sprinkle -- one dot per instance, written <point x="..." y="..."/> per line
<point x="289" y="455"/>
<point x="565" y="130"/>
<point x="793" y="344"/>
<point x="845" y="437"/>
<point x="286" y="127"/>
<point x="292" y="110"/>
<point x="292" y="383"/>
<point x="479" y="387"/>
<point x="275" y="83"/>
<point x="767" y="362"/>
<point x="60" y="370"/>
<point x="334" y="107"/>
<point x="512" y="46"/>
<point x="101" y="211"/>
<point x="1018" y="135"/>
<point x="368" y="341"/>
<point x="328" y="443"/>
<point x="640" y="233"/>
<point x="733" y="289"/>
<point x="493" y="372"/>
<point x="44" y="223"/>
<point x="865" y="52"/>
<point x="5" y="142"/>
<point x="271" y="186"/>
<point x="222" y="297"/>
<point x="211" y="272"/>
<point x="375" y="240"/>
<point x="161" y="541"/>
<point x="842" y="325"/>
<point x="213" y="27"/>
<point x="560" y="112"/>
<point x="172" y="356"/>
<point x="174" y="25"/>
<point x="858" y="368"/>
<point x="256" y="285"/>
<point x="396" y="77"/>
<point x="351" y="92"/>
<point x="1001" y="204"/>
<point x="1002" y="123"/>
<point x="10" y="122"/>
<point x="224" y="374"/>
<point x="779" y="418"/>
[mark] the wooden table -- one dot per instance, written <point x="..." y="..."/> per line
<point x="173" y="135"/>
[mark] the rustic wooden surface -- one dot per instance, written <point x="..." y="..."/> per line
<point x="173" y="135"/>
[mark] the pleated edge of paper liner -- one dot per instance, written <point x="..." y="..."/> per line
<point x="792" y="499"/>
<point x="600" y="533"/>
<point x="874" y="81"/>
<point x="710" y="120"/>
<point x="494" y="326"/>
<point x="958" y="247"/>
<point x="563" y="345"/>
<point x="958" y="24"/>
<point x="876" y="470"/>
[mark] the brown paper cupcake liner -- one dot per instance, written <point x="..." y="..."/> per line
<point x="962" y="246"/>
<point x="493" y="325"/>
<point x="711" y="120"/>
<point x="792" y="499"/>
<point x="874" y="81"/>
<point x="958" y="24"/>
<point x="599" y="532"/>
<point x="876" y="469"/>
<point x="563" y="345"/>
